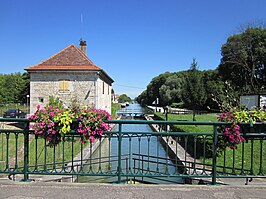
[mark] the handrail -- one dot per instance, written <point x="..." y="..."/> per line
<point x="121" y="135"/>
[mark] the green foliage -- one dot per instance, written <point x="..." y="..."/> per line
<point x="242" y="70"/>
<point x="166" y="87"/>
<point x="225" y="96"/>
<point x="244" y="59"/>
<point x="64" y="121"/>
<point x="56" y="102"/>
<point x="14" y="88"/>
<point x="124" y="98"/>
<point x="115" y="107"/>
<point x="250" y="116"/>
<point x="177" y="105"/>
<point x="53" y="123"/>
<point x="169" y="92"/>
<point x="193" y="91"/>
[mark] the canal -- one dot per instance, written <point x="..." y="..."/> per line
<point x="140" y="153"/>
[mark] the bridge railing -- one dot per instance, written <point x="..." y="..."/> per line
<point x="123" y="155"/>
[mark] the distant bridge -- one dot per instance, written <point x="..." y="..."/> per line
<point x="126" y="112"/>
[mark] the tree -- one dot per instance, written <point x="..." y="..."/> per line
<point x="124" y="98"/>
<point x="244" y="60"/>
<point x="25" y="90"/>
<point x="193" y="93"/>
<point x="166" y="87"/>
<point x="142" y="98"/>
<point x="14" y="88"/>
<point x="153" y="89"/>
<point x="169" y="92"/>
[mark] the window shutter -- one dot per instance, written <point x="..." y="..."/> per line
<point x="63" y="85"/>
<point x="66" y="85"/>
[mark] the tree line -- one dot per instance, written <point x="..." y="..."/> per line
<point x="241" y="71"/>
<point x="14" y="88"/>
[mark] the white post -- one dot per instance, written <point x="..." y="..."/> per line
<point x="27" y="103"/>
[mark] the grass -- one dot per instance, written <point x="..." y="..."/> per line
<point x="243" y="159"/>
<point x="40" y="154"/>
<point x="231" y="158"/>
<point x="115" y="107"/>
<point x="12" y="146"/>
<point x="10" y="139"/>
<point x="237" y="158"/>
<point x="188" y="117"/>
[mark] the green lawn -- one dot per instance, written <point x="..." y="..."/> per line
<point x="62" y="153"/>
<point x="237" y="158"/>
<point x="188" y="117"/>
<point x="13" y="149"/>
<point x="243" y="159"/>
<point x="41" y="154"/>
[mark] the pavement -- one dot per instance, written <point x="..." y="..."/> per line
<point x="38" y="190"/>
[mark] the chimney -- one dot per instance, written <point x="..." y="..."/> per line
<point x="83" y="46"/>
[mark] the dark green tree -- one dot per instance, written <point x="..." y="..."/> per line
<point x="164" y="87"/>
<point x="124" y="98"/>
<point x="193" y="92"/>
<point x="170" y="91"/>
<point x="25" y="90"/>
<point x="14" y="88"/>
<point x="153" y="89"/>
<point x="244" y="60"/>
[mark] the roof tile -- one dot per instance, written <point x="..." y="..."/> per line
<point x="70" y="58"/>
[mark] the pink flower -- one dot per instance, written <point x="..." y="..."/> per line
<point x="51" y="114"/>
<point x="92" y="139"/>
<point x="48" y="138"/>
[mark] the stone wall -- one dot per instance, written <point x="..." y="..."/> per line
<point x="85" y="87"/>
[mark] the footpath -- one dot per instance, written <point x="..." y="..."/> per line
<point x="50" y="190"/>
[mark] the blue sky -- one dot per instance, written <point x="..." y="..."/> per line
<point x="132" y="40"/>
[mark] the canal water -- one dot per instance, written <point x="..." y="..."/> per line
<point x="140" y="153"/>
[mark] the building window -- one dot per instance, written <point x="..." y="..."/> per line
<point x="63" y="86"/>
<point x="108" y="90"/>
<point x="40" y="99"/>
<point x="103" y="87"/>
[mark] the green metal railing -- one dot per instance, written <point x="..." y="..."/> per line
<point x="124" y="156"/>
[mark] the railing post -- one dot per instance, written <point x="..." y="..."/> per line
<point x="119" y="169"/>
<point x="26" y="151"/>
<point x="214" y="154"/>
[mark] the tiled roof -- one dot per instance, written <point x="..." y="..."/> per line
<point x="70" y="58"/>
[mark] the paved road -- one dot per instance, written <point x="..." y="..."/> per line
<point x="38" y="190"/>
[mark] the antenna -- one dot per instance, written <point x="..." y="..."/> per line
<point x="81" y="25"/>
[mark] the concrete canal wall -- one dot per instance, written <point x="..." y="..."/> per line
<point x="188" y="164"/>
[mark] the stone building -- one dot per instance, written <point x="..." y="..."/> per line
<point x="71" y="76"/>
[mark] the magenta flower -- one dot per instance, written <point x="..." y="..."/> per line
<point x="90" y="125"/>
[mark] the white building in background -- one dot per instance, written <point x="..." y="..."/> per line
<point x="70" y="75"/>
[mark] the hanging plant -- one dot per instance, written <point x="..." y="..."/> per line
<point x="52" y="123"/>
<point x="231" y="134"/>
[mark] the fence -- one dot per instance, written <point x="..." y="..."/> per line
<point x="131" y="156"/>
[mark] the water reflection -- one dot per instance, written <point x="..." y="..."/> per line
<point x="139" y="155"/>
